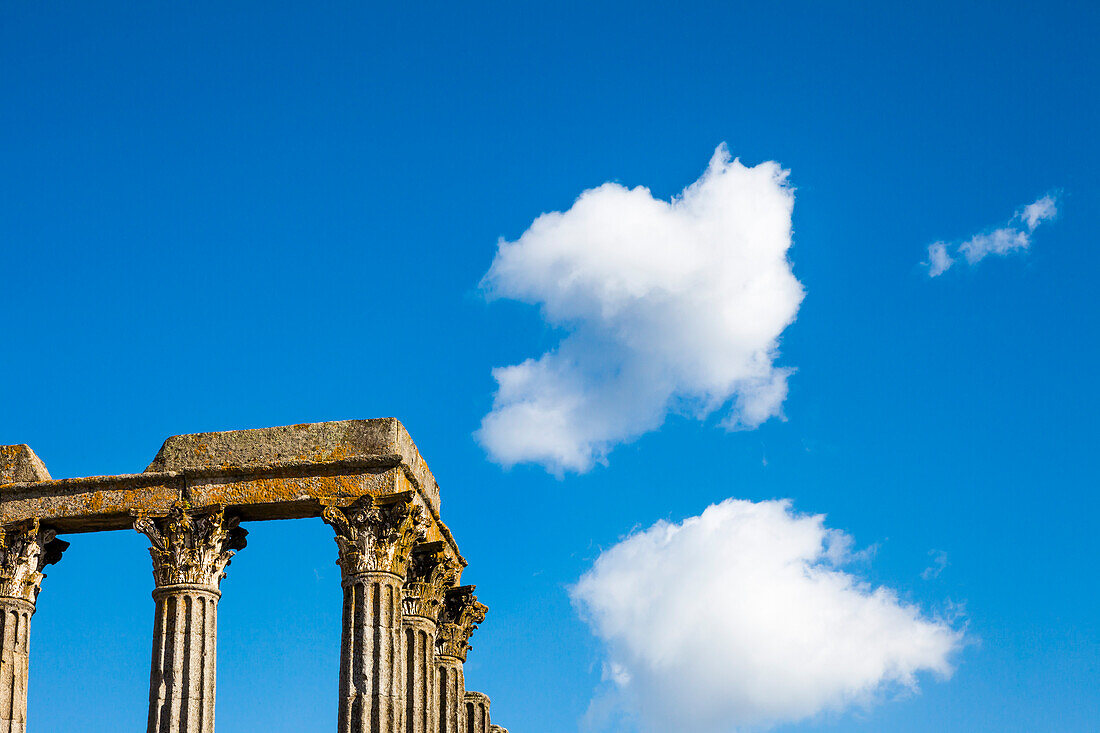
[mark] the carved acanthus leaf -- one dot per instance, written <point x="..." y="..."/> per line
<point x="191" y="547"/>
<point x="25" y="549"/>
<point x="376" y="535"/>
<point x="431" y="572"/>
<point x="461" y="615"/>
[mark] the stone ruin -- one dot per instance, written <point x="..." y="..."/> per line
<point x="407" y="619"/>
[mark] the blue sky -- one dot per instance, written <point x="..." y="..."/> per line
<point x="219" y="217"/>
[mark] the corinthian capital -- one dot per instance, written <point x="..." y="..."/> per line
<point x="461" y="615"/>
<point x="376" y="534"/>
<point x="191" y="547"/>
<point x="25" y="549"/>
<point x="431" y="572"/>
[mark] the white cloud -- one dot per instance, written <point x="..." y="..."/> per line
<point x="1042" y="210"/>
<point x="938" y="259"/>
<point x="745" y="618"/>
<point x="1014" y="235"/>
<point x="999" y="242"/>
<point x="668" y="306"/>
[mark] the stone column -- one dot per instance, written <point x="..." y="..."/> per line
<point x="450" y="690"/>
<point x="375" y="538"/>
<point x="477" y="712"/>
<point x="430" y="573"/>
<point x="190" y="550"/>
<point x="461" y="615"/>
<point x="25" y="549"/>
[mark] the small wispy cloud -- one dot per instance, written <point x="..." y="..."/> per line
<point x="669" y="306"/>
<point x="746" y="617"/>
<point x="1015" y="235"/>
<point x="939" y="562"/>
<point x="938" y="259"/>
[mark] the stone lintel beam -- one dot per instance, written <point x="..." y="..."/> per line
<point x="287" y="472"/>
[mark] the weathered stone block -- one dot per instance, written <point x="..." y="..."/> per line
<point x="18" y="463"/>
<point x="311" y="443"/>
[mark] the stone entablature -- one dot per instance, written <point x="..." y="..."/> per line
<point x="270" y="473"/>
<point x="365" y="478"/>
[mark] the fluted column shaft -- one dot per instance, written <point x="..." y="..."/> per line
<point x="15" y="630"/>
<point x="190" y="550"/>
<point x="477" y="712"/>
<point x="431" y="572"/>
<point x="182" y="680"/>
<point x="451" y="690"/>
<point x="420" y="707"/>
<point x="375" y="537"/>
<point x="370" y="655"/>
<point x="459" y="616"/>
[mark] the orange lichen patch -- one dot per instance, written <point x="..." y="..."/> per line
<point x="76" y="506"/>
<point x="247" y="490"/>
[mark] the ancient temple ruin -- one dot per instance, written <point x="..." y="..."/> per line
<point x="407" y="619"/>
